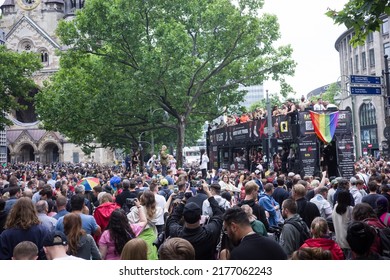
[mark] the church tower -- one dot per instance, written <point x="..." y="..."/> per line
<point x="30" y="26"/>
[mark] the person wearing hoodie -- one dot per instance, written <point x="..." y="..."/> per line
<point x="103" y="211"/>
<point x="251" y="191"/>
<point x="321" y="239"/>
<point x="215" y="190"/>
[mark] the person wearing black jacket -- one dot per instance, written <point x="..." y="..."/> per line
<point x="204" y="238"/>
<point x="250" y="199"/>
<point x="307" y="210"/>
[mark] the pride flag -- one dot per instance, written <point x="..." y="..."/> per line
<point x="325" y="124"/>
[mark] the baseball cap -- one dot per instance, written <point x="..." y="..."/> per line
<point x="191" y="212"/>
<point x="54" y="238"/>
<point x="257" y="171"/>
<point x="164" y="182"/>
<point x="353" y="180"/>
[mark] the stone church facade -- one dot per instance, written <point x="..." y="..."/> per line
<point x="30" y="25"/>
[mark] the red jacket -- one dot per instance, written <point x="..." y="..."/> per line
<point x="325" y="244"/>
<point x="103" y="212"/>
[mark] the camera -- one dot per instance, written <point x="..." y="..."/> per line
<point x="188" y="195"/>
<point x="130" y="202"/>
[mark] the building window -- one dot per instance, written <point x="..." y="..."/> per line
<point x="364" y="61"/>
<point x="44" y="57"/>
<point x="372" y="57"/>
<point x="386" y="49"/>
<point x="356" y="62"/>
<point x="385" y="26"/>
<point x="370" y="37"/>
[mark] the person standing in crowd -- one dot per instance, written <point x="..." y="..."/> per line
<point x="251" y="190"/>
<point x="118" y="232"/>
<point x="61" y="202"/>
<point x="341" y="218"/>
<point x="204" y="238"/>
<point x="22" y="224"/>
<point x="55" y="245"/>
<point x="176" y="249"/>
<point x="25" y="250"/>
<point x="42" y="210"/>
<point x="270" y="205"/>
<point x="89" y="223"/>
<point x="203" y="163"/>
<point x="135" y="249"/>
<point x="215" y="190"/>
<point x="294" y="231"/>
<point x="246" y="241"/>
<point x="321" y="239"/>
<point x="80" y="243"/>
<point x="361" y="237"/>
<point x="373" y="194"/>
<point x="153" y="215"/>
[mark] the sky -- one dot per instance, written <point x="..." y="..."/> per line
<point x="312" y="35"/>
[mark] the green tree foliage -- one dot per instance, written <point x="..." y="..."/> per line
<point x="16" y="70"/>
<point x="364" y="16"/>
<point x="274" y="99"/>
<point x="331" y="92"/>
<point x="186" y="57"/>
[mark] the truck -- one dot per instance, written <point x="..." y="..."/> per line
<point x="291" y="138"/>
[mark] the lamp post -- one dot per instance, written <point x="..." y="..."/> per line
<point x="270" y="127"/>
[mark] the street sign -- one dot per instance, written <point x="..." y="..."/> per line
<point x="366" y="90"/>
<point x="367" y="80"/>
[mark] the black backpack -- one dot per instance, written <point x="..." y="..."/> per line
<point x="384" y="235"/>
<point x="302" y="228"/>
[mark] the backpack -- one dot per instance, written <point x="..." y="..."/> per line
<point x="384" y="236"/>
<point x="302" y="229"/>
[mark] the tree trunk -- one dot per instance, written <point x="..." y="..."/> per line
<point x="181" y="129"/>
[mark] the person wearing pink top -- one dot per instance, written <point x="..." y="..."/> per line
<point x="119" y="231"/>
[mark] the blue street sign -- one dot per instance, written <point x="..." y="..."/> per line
<point x="368" y="80"/>
<point x="366" y="90"/>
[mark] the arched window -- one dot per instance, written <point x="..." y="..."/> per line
<point x="26" y="45"/>
<point x="44" y="57"/>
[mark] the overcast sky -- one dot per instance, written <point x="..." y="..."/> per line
<point x="312" y="36"/>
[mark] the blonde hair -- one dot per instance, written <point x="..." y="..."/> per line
<point x="319" y="227"/>
<point x="135" y="249"/>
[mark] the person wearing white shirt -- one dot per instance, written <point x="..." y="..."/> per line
<point x="204" y="160"/>
<point x="319" y="106"/>
<point x="322" y="204"/>
<point x="160" y="202"/>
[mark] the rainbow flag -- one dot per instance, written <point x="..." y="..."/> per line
<point x="325" y="124"/>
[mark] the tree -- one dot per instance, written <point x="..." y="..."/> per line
<point x="16" y="70"/>
<point x="186" y="57"/>
<point x="331" y="92"/>
<point x="364" y="16"/>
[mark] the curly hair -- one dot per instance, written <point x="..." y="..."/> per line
<point x="120" y="230"/>
<point x="23" y="215"/>
<point x="149" y="201"/>
<point x="73" y="230"/>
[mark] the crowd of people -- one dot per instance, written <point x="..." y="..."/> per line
<point x="287" y="108"/>
<point x="46" y="212"/>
